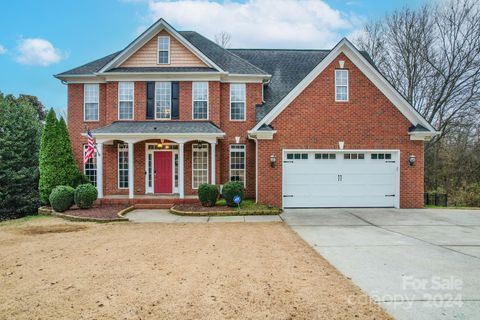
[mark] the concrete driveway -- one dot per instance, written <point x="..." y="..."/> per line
<point x="418" y="264"/>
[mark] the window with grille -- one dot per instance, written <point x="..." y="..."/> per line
<point x="90" y="167"/>
<point x="341" y="85"/>
<point x="163" y="50"/>
<point x="200" y="100"/>
<point x="163" y="100"/>
<point x="237" y="162"/>
<point x="199" y="164"/>
<point x="125" y="100"/>
<point x="237" y="101"/>
<point x="90" y="107"/>
<point x="123" y="166"/>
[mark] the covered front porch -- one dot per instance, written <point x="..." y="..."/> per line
<point x="146" y="161"/>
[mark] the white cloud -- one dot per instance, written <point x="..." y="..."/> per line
<point x="36" y="51"/>
<point x="260" y="23"/>
<point x="2" y="49"/>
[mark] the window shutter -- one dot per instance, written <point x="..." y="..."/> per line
<point x="150" y="99"/>
<point x="175" y="95"/>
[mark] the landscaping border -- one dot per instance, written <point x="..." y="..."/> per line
<point x="224" y="213"/>
<point x="86" y="219"/>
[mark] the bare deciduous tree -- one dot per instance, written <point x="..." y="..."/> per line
<point x="223" y="39"/>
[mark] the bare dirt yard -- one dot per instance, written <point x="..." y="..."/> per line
<point x="54" y="269"/>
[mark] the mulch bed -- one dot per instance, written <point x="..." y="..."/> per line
<point x="98" y="212"/>
<point x="197" y="207"/>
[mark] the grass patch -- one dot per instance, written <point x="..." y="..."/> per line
<point x="432" y="206"/>
<point x="249" y="205"/>
<point x="24" y="219"/>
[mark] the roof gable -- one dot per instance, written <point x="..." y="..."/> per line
<point x="344" y="46"/>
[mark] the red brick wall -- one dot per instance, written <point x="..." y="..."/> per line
<point x="367" y="121"/>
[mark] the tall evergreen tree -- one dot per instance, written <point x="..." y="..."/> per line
<point x="69" y="171"/>
<point x="19" y="145"/>
<point x="49" y="163"/>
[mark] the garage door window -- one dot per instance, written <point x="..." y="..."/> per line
<point x="325" y="156"/>
<point x="354" y="156"/>
<point x="297" y="156"/>
<point x="381" y="156"/>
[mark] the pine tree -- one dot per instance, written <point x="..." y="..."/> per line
<point x="49" y="164"/>
<point x="19" y="145"/>
<point x="69" y="172"/>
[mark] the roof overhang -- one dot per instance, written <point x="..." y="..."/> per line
<point x="261" y="134"/>
<point x="346" y="47"/>
<point x="146" y="36"/>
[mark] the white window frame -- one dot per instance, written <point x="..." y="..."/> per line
<point x="122" y="148"/>
<point x="244" y="161"/>
<point x="339" y="71"/>
<point x="199" y="100"/>
<point x="205" y="149"/>
<point x="132" y="101"/>
<point x="95" y="100"/>
<point x="158" y="49"/>
<point x="232" y="85"/>
<point x="92" y="161"/>
<point x="155" y="100"/>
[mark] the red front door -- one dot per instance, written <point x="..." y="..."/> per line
<point x="163" y="172"/>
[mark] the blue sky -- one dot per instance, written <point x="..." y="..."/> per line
<point x="41" y="38"/>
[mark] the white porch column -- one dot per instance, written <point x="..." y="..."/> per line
<point x="100" y="170"/>
<point x="212" y="147"/>
<point x="131" y="166"/>
<point x="181" y="170"/>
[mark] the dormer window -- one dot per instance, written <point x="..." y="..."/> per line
<point x="163" y="50"/>
<point x="341" y="85"/>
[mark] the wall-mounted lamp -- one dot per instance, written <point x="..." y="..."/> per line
<point x="341" y="144"/>
<point x="411" y="160"/>
<point x="273" y="159"/>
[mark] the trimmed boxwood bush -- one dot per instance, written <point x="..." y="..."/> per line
<point x="61" y="198"/>
<point x="232" y="189"/>
<point x="207" y="194"/>
<point x="85" y="195"/>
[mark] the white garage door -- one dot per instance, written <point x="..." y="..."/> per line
<point x="340" y="179"/>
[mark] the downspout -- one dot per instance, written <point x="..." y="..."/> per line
<point x="256" y="170"/>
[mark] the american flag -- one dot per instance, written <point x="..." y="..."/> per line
<point x="90" y="148"/>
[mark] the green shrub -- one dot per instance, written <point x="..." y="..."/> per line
<point x="85" y="195"/>
<point x="80" y="179"/>
<point x="207" y="194"/>
<point x="61" y="198"/>
<point x="232" y="189"/>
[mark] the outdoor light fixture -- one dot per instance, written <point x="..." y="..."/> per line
<point x="160" y="145"/>
<point x="272" y="160"/>
<point x="411" y="160"/>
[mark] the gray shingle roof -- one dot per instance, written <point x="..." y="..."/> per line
<point x="91" y="67"/>
<point x="166" y="127"/>
<point x="162" y="69"/>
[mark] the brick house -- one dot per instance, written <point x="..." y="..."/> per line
<point x="300" y="128"/>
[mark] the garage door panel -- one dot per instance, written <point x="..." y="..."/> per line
<point x="340" y="182"/>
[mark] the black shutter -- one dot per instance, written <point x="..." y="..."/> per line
<point x="175" y="94"/>
<point x="150" y="99"/>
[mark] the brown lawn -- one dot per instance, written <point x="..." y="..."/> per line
<point x="54" y="269"/>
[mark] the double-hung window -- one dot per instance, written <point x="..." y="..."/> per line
<point x="237" y="163"/>
<point x="163" y="100"/>
<point x="125" y="100"/>
<point x="237" y="101"/>
<point x="200" y="100"/>
<point x="341" y="85"/>
<point x="123" y="166"/>
<point x="199" y="164"/>
<point x="163" y="50"/>
<point x="90" y="167"/>
<point x="90" y="107"/>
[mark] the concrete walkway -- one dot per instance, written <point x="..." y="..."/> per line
<point x="163" y="215"/>
<point x="418" y="264"/>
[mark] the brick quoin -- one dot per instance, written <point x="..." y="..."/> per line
<point x="367" y="121"/>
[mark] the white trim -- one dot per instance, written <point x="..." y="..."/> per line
<point x="256" y="170"/>
<point x="155" y="101"/>
<point x="131" y="170"/>
<point x="193" y="100"/>
<point x="244" y="162"/>
<point x="261" y="134"/>
<point x="158" y="49"/>
<point x="98" y="101"/>
<point x="150" y="33"/>
<point x="398" y="160"/>
<point x="151" y="190"/>
<point x="133" y="100"/>
<point x="118" y="164"/>
<point x="196" y="149"/>
<point x="370" y="72"/>
<point x="244" y="103"/>
<point x="338" y="85"/>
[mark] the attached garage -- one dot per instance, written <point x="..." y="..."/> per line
<point x="346" y="178"/>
